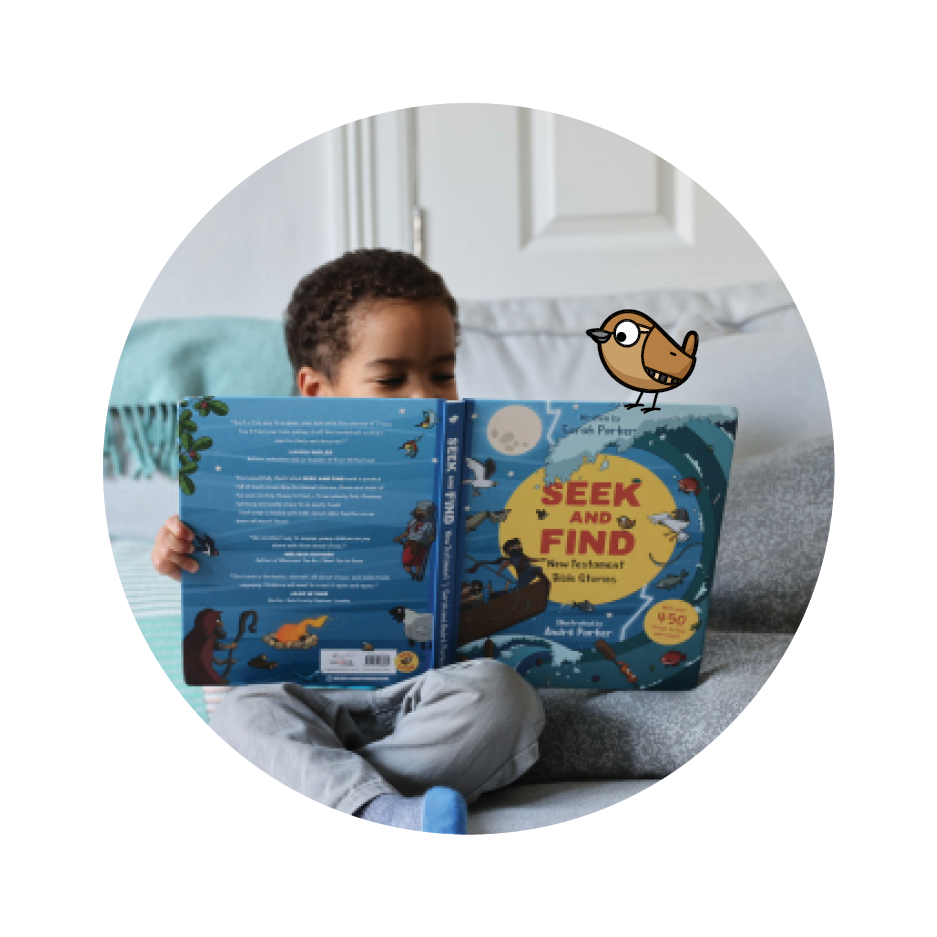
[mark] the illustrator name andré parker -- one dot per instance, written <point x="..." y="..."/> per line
<point x="575" y="628"/>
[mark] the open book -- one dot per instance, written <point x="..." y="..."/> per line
<point x="359" y="542"/>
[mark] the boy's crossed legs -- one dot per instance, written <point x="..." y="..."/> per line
<point x="472" y="727"/>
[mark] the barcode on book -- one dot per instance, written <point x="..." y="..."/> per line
<point x="337" y="660"/>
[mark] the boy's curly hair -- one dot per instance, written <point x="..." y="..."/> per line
<point x="318" y="316"/>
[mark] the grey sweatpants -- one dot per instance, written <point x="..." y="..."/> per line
<point x="471" y="726"/>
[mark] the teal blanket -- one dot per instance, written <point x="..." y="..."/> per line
<point x="165" y="359"/>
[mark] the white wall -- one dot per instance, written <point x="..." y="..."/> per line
<point x="516" y="203"/>
<point x="246" y="255"/>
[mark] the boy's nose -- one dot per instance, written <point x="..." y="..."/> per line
<point x="421" y="387"/>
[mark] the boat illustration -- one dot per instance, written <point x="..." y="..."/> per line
<point x="502" y="610"/>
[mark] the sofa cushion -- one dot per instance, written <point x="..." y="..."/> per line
<point x="531" y="806"/>
<point x="774" y="533"/>
<point x="621" y="734"/>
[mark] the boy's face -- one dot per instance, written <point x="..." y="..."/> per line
<point x="398" y="349"/>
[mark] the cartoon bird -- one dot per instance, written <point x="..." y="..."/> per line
<point x="642" y="356"/>
<point x="675" y="521"/>
<point x="482" y="472"/>
<point x="429" y="420"/>
<point x="542" y="515"/>
<point x="625" y="522"/>
<point x="410" y="447"/>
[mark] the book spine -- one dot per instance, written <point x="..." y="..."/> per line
<point x="449" y="498"/>
<point x="468" y="408"/>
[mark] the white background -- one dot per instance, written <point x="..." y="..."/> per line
<point x="831" y="762"/>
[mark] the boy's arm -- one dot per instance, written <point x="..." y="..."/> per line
<point x="170" y="555"/>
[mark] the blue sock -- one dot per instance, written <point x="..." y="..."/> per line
<point x="439" y="810"/>
<point x="444" y="811"/>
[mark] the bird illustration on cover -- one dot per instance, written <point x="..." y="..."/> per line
<point x="642" y="356"/>
<point x="481" y="474"/>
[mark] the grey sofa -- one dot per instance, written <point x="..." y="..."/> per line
<point x="600" y="747"/>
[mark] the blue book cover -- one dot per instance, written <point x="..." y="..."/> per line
<point x="315" y="523"/>
<point x="590" y="536"/>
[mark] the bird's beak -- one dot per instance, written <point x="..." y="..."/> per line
<point x="599" y="336"/>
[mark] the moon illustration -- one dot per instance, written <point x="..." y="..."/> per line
<point x="514" y="430"/>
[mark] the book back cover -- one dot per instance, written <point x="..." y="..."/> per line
<point x="315" y="524"/>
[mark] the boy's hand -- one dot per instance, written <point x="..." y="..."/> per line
<point x="172" y="548"/>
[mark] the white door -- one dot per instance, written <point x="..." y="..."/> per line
<point x="522" y="203"/>
<point x="513" y="203"/>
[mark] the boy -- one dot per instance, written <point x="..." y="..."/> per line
<point x="377" y="323"/>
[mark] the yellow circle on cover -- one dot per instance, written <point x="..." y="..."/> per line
<point x="672" y="621"/>
<point x="406" y="662"/>
<point x="598" y="536"/>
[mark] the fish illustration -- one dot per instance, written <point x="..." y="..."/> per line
<point x="261" y="662"/>
<point x="625" y="522"/>
<point x="689" y="486"/>
<point x="584" y="606"/>
<point x="673" y="658"/>
<point x="671" y="580"/>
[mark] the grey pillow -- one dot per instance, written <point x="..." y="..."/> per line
<point x="774" y="535"/>
<point x="620" y="734"/>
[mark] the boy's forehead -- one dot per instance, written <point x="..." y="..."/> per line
<point x="386" y="307"/>
<point x="386" y="329"/>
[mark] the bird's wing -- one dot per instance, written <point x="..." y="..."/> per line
<point x="478" y="470"/>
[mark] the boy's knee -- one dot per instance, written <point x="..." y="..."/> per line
<point x="500" y="687"/>
<point x="244" y="708"/>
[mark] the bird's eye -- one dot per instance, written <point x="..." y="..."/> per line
<point x="627" y="333"/>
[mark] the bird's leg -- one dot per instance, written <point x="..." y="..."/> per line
<point x="637" y="403"/>
<point x="653" y="406"/>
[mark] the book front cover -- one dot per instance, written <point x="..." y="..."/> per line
<point x="314" y="525"/>
<point x="590" y="535"/>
